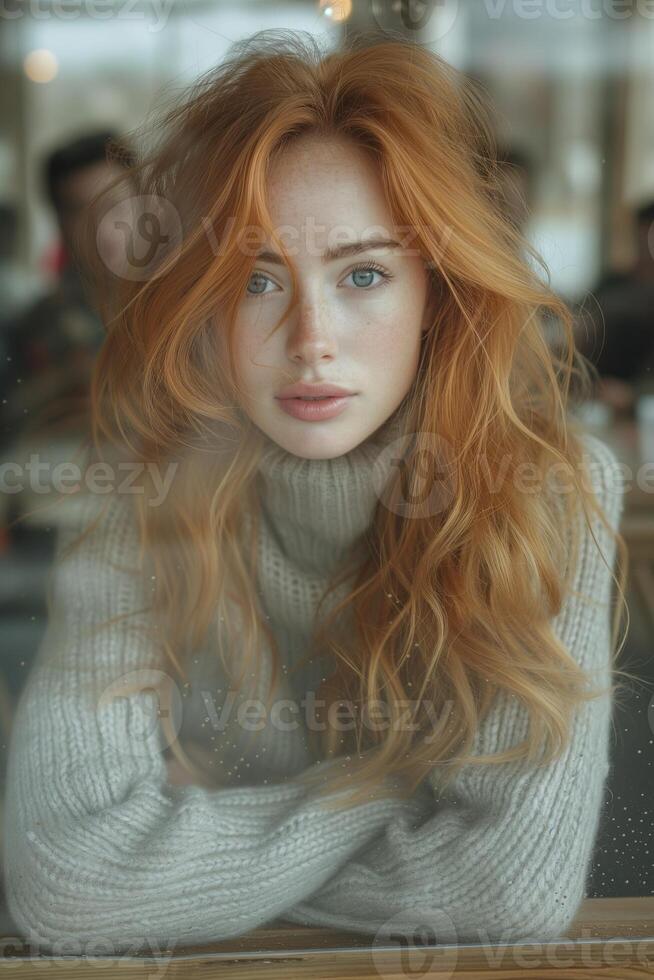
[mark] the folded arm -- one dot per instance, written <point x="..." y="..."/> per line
<point x="97" y="843"/>
<point x="506" y="855"/>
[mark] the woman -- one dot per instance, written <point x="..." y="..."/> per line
<point x="432" y="549"/>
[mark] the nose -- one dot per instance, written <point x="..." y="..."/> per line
<point x="311" y="338"/>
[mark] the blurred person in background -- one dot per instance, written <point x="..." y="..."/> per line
<point x="53" y="343"/>
<point x="617" y="324"/>
<point x="17" y="287"/>
<point x="50" y="347"/>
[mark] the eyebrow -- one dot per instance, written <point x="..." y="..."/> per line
<point x="338" y="251"/>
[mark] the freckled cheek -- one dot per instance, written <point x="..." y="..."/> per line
<point x="387" y="340"/>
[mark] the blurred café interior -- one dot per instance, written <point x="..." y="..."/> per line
<point x="575" y="124"/>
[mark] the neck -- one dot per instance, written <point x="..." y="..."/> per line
<point x="318" y="509"/>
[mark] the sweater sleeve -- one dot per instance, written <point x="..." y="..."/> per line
<point x="506" y="855"/>
<point x="97" y="843"/>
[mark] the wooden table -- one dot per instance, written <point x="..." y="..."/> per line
<point x="610" y="938"/>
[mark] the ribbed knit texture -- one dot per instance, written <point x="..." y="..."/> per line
<point x="99" y="844"/>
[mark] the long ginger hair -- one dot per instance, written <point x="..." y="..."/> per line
<point x="447" y="608"/>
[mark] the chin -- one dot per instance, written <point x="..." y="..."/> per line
<point x="315" y="444"/>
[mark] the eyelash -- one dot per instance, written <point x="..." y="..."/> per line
<point x="365" y="267"/>
<point x="373" y="267"/>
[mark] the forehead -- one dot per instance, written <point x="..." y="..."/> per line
<point x="326" y="191"/>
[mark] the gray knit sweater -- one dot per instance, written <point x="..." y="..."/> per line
<point x="99" y="844"/>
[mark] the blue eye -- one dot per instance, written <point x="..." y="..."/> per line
<point x="258" y="276"/>
<point x="370" y="269"/>
<point x="367" y="270"/>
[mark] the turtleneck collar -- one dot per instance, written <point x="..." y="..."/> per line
<point x="319" y="508"/>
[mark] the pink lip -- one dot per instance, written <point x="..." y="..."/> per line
<point x="302" y="389"/>
<point x="314" y="411"/>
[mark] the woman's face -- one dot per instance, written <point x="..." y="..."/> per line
<point x="359" y="316"/>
